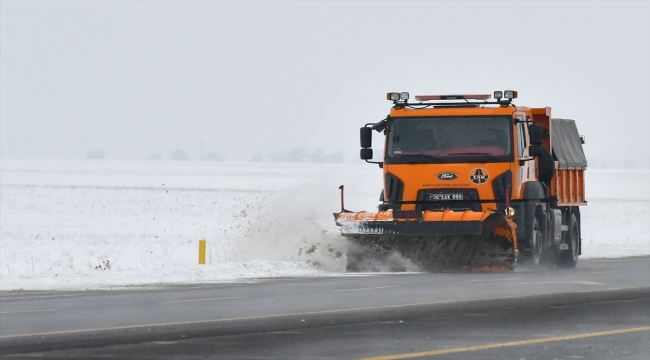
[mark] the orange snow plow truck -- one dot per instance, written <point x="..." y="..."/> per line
<point x="472" y="183"/>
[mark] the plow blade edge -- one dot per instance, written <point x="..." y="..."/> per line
<point x="482" y="245"/>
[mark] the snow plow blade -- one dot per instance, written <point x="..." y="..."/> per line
<point x="434" y="241"/>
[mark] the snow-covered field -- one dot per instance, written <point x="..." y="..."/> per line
<point x="100" y="224"/>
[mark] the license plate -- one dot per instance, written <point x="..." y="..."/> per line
<point x="439" y="197"/>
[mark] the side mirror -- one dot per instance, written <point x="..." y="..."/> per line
<point x="366" y="137"/>
<point x="535" y="134"/>
<point x="366" y="154"/>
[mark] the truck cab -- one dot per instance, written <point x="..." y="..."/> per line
<point x="464" y="153"/>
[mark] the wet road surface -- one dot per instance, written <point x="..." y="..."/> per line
<point x="600" y="310"/>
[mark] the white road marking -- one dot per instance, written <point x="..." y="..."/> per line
<point x="644" y="258"/>
<point x="368" y="288"/>
<point x="207" y="299"/>
<point x="26" y="311"/>
<point x="35" y="296"/>
<point x="590" y="283"/>
<point x="508" y="279"/>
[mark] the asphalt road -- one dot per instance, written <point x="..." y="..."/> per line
<point x="600" y="310"/>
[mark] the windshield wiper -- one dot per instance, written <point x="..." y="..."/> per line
<point x="470" y="153"/>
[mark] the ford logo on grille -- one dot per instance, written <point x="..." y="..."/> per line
<point x="447" y="176"/>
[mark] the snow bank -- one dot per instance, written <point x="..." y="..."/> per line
<point x="89" y="224"/>
<point x="94" y="224"/>
<point x="616" y="221"/>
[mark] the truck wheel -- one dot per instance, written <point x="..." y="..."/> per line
<point x="538" y="243"/>
<point x="533" y="256"/>
<point x="569" y="258"/>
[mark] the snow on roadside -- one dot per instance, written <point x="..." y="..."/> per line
<point x="94" y="224"/>
<point x="90" y="224"/>
<point x="616" y="221"/>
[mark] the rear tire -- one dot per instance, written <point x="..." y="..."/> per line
<point x="569" y="258"/>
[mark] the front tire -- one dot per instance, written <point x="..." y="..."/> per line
<point x="569" y="258"/>
<point x="533" y="256"/>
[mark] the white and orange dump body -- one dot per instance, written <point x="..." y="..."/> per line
<point x="458" y="185"/>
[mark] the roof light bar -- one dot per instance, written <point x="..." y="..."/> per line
<point x="453" y="97"/>
<point x="510" y="94"/>
<point x="503" y="98"/>
<point x="395" y="96"/>
<point x="392" y="96"/>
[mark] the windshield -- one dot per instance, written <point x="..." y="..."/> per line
<point x="450" y="139"/>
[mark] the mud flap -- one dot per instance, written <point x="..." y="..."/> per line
<point x="442" y="246"/>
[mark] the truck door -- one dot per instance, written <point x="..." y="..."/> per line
<point x="524" y="170"/>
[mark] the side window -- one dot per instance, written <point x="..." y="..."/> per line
<point x="521" y="139"/>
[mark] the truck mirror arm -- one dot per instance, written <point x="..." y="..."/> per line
<point x="380" y="126"/>
<point x="522" y="162"/>
<point x="380" y="163"/>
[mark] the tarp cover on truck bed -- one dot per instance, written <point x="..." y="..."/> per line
<point x="566" y="144"/>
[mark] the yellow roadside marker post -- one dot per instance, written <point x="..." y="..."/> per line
<point x="201" y="252"/>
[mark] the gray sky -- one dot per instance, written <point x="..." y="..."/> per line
<point x="134" y="78"/>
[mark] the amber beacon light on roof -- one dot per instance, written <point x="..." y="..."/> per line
<point x="471" y="182"/>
